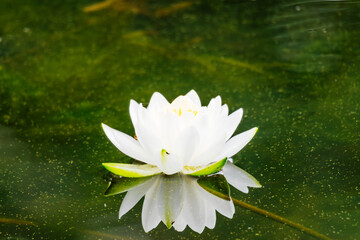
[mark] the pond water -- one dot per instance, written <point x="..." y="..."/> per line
<point x="67" y="66"/>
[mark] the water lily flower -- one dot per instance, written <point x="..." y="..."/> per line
<point x="176" y="200"/>
<point x="182" y="137"/>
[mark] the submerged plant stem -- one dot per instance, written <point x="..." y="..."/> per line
<point x="277" y="218"/>
<point x="269" y="215"/>
<point x="103" y="235"/>
<point x="280" y="219"/>
<point x="16" y="221"/>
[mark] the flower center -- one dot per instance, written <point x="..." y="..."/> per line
<point x="182" y="105"/>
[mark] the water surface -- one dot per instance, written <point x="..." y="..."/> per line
<point x="66" y="67"/>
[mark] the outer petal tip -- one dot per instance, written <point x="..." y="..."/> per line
<point x="168" y="225"/>
<point x="106" y="128"/>
<point x="194" y="97"/>
<point x="257" y="183"/>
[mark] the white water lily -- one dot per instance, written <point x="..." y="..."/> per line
<point x="181" y="136"/>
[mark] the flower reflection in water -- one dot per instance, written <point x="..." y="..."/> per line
<point x="179" y="200"/>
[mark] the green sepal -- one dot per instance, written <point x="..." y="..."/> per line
<point x="204" y="170"/>
<point x="132" y="170"/>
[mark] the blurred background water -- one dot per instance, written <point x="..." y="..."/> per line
<point x="66" y="66"/>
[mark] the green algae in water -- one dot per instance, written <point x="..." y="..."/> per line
<point x="291" y="65"/>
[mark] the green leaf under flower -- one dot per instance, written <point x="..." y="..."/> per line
<point x="132" y="170"/>
<point x="204" y="170"/>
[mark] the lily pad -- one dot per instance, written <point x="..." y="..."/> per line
<point x="132" y="170"/>
<point x="216" y="185"/>
<point x="204" y="170"/>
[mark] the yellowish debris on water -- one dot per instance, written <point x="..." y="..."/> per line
<point x="118" y="5"/>
<point x="136" y="34"/>
<point x="172" y="8"/>
<point x="138" y="7"/>
<point x="98" y="6"/>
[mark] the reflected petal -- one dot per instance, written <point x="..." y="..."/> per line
<point x="180" y="200"/>
<point x="134" y="195"/>
<point x="225" y="207"/>
<point x="150" y="216"/>
<point x="210" y="219"/>
<point x="170" y="198"/>
<point x="180" y="224"/>
<point x="238" y="178"/>
<point x="193" y="211"/>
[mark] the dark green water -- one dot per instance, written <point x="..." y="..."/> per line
<point x="292" y="65"/>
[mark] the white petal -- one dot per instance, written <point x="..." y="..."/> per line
<point x="147" y="132"/>
<point x="236" y="143"/>
<point x="180" y="224"/>
<point x="210" y="216"/>
<point x="133" y="109"/>
<point x="170" y="198"/>
<point x="169" y="130"/>
<point x="224" y="110"/>
<point x="157" y="101"/>
<point x="215" y="103"/>
<point x="225" y="207"/>
<point x="232" y="122"/>
<point x="193" y="210"/>
<point x="150" y="216"/>
<point x="148" y="140"/>
<point x="238" y="178"/>
<point x="126" y="144"/>
<point x="129" y="201"/>
<point x="133" y="196"/>
<point x="194" y="97"/>
<point x="169" y="163"/>
<point x="148" y="118"/>
<point x="186" y="144"/>
<point x="210" y="153"/>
